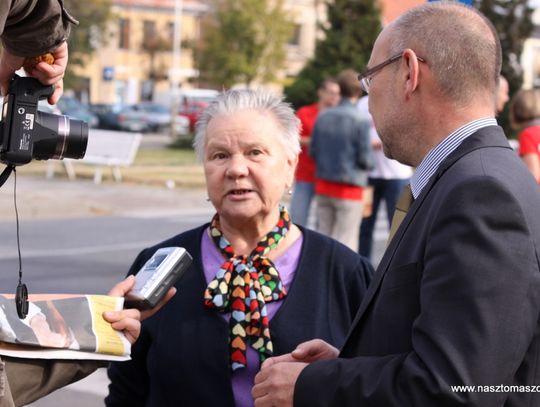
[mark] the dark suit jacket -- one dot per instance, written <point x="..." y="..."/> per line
<point x="456" y="298"/>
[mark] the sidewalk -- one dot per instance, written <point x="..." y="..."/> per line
<point x="39" y="198"/>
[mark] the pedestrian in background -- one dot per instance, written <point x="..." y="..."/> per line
<point x="525" y="115"/>
<point x="387" y="179"/>
<point x="341" y="149"/>
<point x="304" y="186"/>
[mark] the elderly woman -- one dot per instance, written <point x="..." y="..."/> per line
<point x="258" y="286"/>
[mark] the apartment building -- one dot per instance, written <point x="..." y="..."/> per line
<point x="138" y="61"/>
<point x="530" y="57"/>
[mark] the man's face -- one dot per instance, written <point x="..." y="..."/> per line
<point x="386" y="105"/>
<point x="329" y="95"/>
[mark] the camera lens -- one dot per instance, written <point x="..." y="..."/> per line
<point x="60" y="137"/>
<point x="72" y="138"/>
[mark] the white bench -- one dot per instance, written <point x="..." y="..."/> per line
<point x="106" y="148"/>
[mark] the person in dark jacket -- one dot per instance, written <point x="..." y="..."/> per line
<point x="259" y="284"/>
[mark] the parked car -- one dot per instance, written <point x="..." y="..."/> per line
<point x="70" y="106"/>
<point x="192" y="103"/>
<point x="181" y="125"/>
<point x="44" y="106"/>
<point x="130" y="119"/>
<point x="157" y="116"/>
<point x="121" y="117"/>
<point x="107" y="115"/>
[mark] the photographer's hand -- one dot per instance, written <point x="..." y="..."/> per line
<point x="128" y="320"/>
<point x="52" y="74"/>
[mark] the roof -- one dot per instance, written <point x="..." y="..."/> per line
<point x="392" y="9"/>
<point x="161" y="4"/>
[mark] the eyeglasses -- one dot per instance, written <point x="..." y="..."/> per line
<point x="365" y="77"/>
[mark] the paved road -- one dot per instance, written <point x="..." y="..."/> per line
<point x="76" y="234"/>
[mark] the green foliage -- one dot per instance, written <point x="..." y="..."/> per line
<point x="243" y="40"/>
<point x="353" y="26"/>
<point x="85" y="39"/>
<point x="513" y="22"/>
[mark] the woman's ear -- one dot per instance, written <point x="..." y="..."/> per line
<point x="291" y="169"/>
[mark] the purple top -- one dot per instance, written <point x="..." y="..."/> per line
<point x="286" y="264"/>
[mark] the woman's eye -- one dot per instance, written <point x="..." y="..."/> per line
<point x="255" y="152"/>
<point x="218" y="156"/>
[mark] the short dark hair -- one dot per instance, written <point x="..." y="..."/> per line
<point x="525" y="106"/>
<point x="327" y="81"/>
<point x="349" y="84"/>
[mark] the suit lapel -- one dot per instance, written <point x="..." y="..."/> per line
<point x="491" y="136"/>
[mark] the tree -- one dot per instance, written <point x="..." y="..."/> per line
<point x="513" y="22"/>
<point x="153" y="45"/>
<point x="242" y="41"/>
<point x="349" y="35"/>
<point x="89" y="35"/>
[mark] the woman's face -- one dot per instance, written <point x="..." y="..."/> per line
<point x="245" y="164"/>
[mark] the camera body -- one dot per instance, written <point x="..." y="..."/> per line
<point x="27" y="133"/>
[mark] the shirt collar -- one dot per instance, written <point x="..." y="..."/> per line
<point x="436" y="156"/>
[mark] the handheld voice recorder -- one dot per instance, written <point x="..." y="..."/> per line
<point x="157" y="275"/>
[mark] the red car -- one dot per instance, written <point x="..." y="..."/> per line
<point x="193" y="102"/>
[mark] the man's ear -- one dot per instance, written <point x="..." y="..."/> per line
<point x="411" y="72"/>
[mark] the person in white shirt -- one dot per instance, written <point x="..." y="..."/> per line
<point x="387" y="178"/>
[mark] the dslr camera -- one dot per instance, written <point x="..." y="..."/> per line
<point x="27" y="133"/>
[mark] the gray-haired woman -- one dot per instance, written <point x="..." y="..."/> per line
<point x="258" y="286"/>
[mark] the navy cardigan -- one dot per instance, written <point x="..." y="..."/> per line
<point x="181" y="357"/>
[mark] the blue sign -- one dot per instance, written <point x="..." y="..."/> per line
<point x="108" y="73"/>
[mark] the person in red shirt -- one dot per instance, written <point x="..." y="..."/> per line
<point x="304" y="189"/>
<point x="525" y="114"/>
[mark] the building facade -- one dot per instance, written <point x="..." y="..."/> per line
<point x="139" y="62"/>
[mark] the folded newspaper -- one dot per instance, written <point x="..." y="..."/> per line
<point x="62" y="326"/>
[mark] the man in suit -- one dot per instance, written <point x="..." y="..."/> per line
<point x="456" y="298"/>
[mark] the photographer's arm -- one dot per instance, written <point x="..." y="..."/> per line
<point x="30" y="28"/>
<point x="31" y="379"/>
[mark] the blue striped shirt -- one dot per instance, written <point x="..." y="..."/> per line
<point x="435" y="157"/>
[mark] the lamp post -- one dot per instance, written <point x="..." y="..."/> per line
<point x="174" y="73"/>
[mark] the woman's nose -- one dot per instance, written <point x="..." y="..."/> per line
<point x="237" y="166"/>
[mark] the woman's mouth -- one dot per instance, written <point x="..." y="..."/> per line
<point x="240" y="192"/>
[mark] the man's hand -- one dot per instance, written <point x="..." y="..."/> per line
<point x="45" y="73"/>
<point x="307" y="352"/>
<point x="128" y="320"/>
<point x="274" y="386"/>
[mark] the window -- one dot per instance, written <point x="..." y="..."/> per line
<point x="124" y="34"/>
<point x="295" y="37"/>
<point x="149" y="32"/>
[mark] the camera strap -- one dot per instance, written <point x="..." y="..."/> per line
<point x="5" y="174"/>
<point x="21" y="296"/>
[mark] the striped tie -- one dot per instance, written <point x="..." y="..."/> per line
<point x="402" y="206"/>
